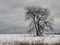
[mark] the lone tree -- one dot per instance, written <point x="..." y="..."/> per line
<point x="40" y="19"/>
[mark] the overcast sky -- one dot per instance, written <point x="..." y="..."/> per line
<point x="12" y="14"/>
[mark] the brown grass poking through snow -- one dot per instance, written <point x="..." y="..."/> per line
<point x="26" y="43"/>
<point x="56" y="44"/>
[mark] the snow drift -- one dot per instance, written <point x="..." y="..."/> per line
<point x="11" y="38"/>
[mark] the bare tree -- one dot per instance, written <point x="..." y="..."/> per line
<point x="40" y="19"/>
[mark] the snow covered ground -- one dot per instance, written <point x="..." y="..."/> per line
<point x="11" y="38"/>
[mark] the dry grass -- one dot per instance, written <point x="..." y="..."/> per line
<point x="56" y="44"/>
<point x="28" y="44"/>
<point x="25" y="43"/>
<point x="36" y="44"/>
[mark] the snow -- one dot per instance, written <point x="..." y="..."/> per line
<point x="11" y="38"/>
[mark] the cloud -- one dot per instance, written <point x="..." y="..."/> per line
<point x="12" y="14"/>
<point x="12" y="29"/>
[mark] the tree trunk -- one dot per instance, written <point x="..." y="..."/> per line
<point x="37" y="33"/>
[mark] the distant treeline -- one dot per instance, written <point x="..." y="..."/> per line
<point x="54" y="33"/>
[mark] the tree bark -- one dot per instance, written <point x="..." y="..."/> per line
<point x="35" y="26"/>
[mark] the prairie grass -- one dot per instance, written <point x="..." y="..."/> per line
<point x="21" y="43"/>
<point x="26" y="43"/>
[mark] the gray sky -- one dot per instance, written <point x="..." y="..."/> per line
<point x="12" y="14"/>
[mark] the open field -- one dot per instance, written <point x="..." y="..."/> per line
<point x="29" y="39"/>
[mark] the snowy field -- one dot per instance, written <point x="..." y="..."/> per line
<point x="10" y="39"/>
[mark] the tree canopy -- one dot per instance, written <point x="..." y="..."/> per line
<point x="40" y="19"/>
